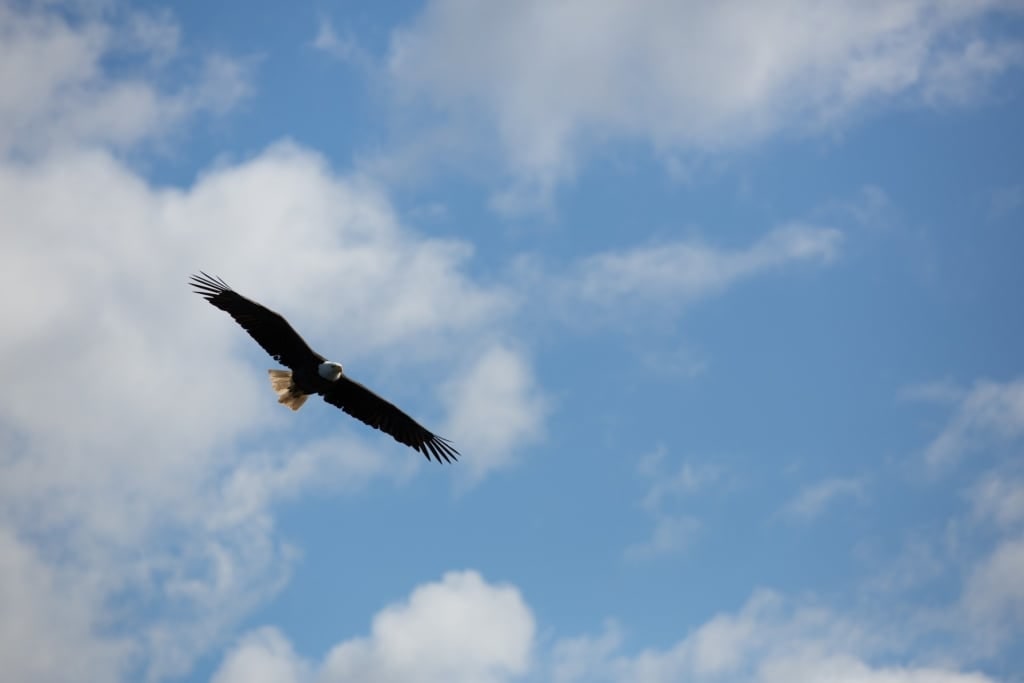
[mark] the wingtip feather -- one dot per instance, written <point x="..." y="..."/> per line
<point x="208" y="286"/>
<point x="442" y="449"/>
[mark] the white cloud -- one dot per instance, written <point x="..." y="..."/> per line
<point x="460" y="629"/>
<point x="993" y="597"/>
<point x="100" y="473"/>
<point x="611" y="286"/>
<point x="155" y="35"/>
<point x="769" y="640"/>
<point x="686" y="480"/>
<point x="840" y="669"/>
<point x="56" y="93"/>
<point x="344" y="48"/>
<point x="551" y="78"/>
<point x="574" y="659"/>
<point x="963" y="75"/>
<point x="263" y="656"/>
<point x="328" y="464"/>
<point x="989" y="612"/>
<point x="495" y="407"/>
<point x="990" y="413"/>
<point x="683" y="271"/>
<point x="47" y="621"/>
<point x="998" y="497"/>
<point x="131" y="544"/>
<point x="463" y="628"/>
<point x="813" y="499"/>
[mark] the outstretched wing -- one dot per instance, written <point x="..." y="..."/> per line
<point x="269" y="329"/>
<point x="368" y="407"/>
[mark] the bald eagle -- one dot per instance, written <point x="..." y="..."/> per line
<point x="311" y="373"/>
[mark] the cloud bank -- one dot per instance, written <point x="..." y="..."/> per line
<point x="686" y="75"/>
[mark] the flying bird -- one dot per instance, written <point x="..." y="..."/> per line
<point x="310" y="373"/>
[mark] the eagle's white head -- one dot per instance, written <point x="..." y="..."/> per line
<point x="330" y="370"/>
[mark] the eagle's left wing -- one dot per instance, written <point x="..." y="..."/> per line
<point x="267" y="327"/>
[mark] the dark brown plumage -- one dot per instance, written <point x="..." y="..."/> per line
<point x="311" y="373"/>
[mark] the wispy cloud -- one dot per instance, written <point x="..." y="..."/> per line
<point x="495" y="407"/>
<point x="55" y="92"/>
<point x="998" y="497"/>
<point x="343" y="47"/>
<point x="671" y="534"/>
<point x="990" y="413"/>
<point x="815" y="498"/>
<point x="683" y="271"/>
<point x="674" y="528"/>
<point x="962" y="75"/>
<point x="687" y="479"/>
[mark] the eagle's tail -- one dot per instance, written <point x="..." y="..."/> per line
<point x="284" y="387"/>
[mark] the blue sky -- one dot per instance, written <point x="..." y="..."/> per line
<point x="720" y="302"/>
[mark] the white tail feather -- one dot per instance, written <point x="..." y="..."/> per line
<point x="287" y="393"/>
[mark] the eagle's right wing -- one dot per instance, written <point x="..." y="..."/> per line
<point x="379" y="413"/>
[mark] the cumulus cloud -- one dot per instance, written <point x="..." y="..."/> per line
<point x="460" y="629"/>
<point x="769" y="640"/>
<point x="463" y="628"/>
<point x="686" y="75"/>
<point x="102" y="472"/>
<point x="262" y="656"/>
<point x="991" y="413"/>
